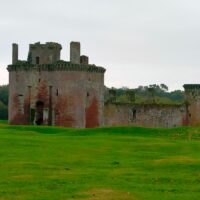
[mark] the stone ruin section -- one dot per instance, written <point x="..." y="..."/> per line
<point x="44" y="53"/>
<point x="145" y="115"/>
<point x="47" y="91"/>
<point x="192" y="93"/>
<point x="150" y="115"/>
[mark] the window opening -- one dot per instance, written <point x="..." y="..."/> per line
<point x="37" y="60"/>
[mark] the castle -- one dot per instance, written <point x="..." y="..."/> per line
<point x="45" y="90"/>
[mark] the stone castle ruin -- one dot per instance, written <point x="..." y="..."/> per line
<point x="45" y="90"/>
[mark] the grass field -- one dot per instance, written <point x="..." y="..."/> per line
<point x="122" y="163"/>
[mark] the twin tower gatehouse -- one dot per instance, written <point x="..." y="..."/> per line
<point x="44" y="90"/>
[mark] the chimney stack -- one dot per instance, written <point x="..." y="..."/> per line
<point x="84" y="60"/>
<point x="75" y="52"/>
<point x="14" y="53"/>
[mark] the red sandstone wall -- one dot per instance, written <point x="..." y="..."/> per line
<point x="77" y="97"/>
<point x="18" y="99"/>
<point x="194" y="113"/>
<point x="94" y="100"/>
<point x="145" y="115"/>
<point x="193" y="107"/>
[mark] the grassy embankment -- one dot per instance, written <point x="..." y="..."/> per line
<point x="124" y="163"/>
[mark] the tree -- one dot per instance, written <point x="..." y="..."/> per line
<point x="4" y="94"/>
<point x="3" y="111"/>
<point x="164" y="87"/>
<point x="4" y="102"/>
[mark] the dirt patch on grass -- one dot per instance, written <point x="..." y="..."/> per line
<point x="178" y="159"/>
<point x="21" y="177"/>
<point x="106" y="194"/>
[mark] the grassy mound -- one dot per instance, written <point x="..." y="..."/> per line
<point x="120" y="163"/>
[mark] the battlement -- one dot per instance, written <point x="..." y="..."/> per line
<point x="59" y="66"/>
<point x="49" y="53"/>
<point x="47" y="45"/>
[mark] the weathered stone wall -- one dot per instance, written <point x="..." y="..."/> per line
<point x="71" y="96"/>
<point x="44" y="53"/>
<point x="192" y="93"/>
<point x="94" y="100"/>
<point x="18" y="99"/>
<point x="145" y="115"/>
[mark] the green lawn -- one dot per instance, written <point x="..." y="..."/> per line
<point x="124" y="163"/>
<point x="3" y="121"/>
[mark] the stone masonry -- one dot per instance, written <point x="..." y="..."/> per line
<point x="192" y="93"/>
<point x="147" y="115"/>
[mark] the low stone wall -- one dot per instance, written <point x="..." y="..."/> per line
<point x="154" y="115"/>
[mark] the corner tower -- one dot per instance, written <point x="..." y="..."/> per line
<point x="192" y="94"/>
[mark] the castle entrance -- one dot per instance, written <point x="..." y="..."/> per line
<point x="39" y="110"/>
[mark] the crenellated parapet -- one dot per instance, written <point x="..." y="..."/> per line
<point x="47" y="53"/>
<point x="23" y="65"/>
<point x="47" y="45"/>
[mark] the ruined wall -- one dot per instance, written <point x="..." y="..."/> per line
<point x="94" y="115"/>
<point x="18" y="99"/>
<point x="70" y="96"/>
<point x="145" y="115"/>
<point x="192" y="93"/>
<point x="44" y="53"/>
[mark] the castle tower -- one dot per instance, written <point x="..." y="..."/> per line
<point x="192" y="93"/>
<point x="47" y="91"/>
<point x="44" y="53"/>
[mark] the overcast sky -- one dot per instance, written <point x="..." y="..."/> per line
<point x="139" y="42"/>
